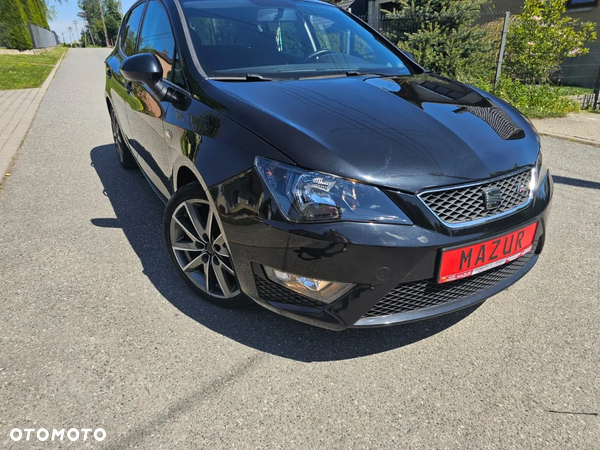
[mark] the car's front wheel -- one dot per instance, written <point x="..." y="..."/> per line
<point x="199" y="249"/>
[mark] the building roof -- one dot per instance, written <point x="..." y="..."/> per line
<point x="344" y="4"/>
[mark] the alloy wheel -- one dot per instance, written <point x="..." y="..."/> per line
<point x="200" y="249"/>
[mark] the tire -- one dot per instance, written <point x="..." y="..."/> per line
<point x="125" y="157"/>
<point x="198" y="248"/>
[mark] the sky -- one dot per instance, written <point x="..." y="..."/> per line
<point x="67" y="13"/>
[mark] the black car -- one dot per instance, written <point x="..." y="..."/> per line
<point x="311" y="166"/>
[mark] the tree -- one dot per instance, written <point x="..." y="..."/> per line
<point x="112" y="28"/>
<point x="50" y="10"/>
<point x="112" y="9"/>
<point x="14" y="32"/>
<point x="113" y="19"/>
<point x="440" y="33"/>
<point x="90" y="11"/>
<point x="541" y="37"/>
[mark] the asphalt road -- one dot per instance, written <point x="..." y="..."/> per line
<point x="97" y="329"/>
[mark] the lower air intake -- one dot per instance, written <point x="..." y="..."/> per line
<point x="427" y="293"/>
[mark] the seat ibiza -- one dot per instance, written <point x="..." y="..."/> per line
<point x="310" y="166"/>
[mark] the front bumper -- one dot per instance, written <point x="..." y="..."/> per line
<point x="393" y="266"/>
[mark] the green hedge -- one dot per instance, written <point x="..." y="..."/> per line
<point x="35" y="11"/>
<point x="14" y="32"/>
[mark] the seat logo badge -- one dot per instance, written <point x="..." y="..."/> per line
<point x="492" y="198"/>
<point x="522" y="189"/>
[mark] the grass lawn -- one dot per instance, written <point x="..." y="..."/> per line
<point x="27" y="71"/>
<point x="572" y="90"/>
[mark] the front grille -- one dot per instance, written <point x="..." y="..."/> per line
<point x="427" y="293"/>
<point x="272" y="292"/>
<point x="466" y="204"/>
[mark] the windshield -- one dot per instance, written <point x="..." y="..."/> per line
<point x="283" y="40"/>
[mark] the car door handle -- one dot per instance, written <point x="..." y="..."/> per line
<point x="109" y="73"/>
<point x="129" y="88"/>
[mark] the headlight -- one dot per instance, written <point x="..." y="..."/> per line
<point x="540" y="166"/>
<point x="539" y="172"/>
<point x="306" y="196"/>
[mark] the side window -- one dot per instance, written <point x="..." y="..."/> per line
<point x="212" y="31"/>
<point x="328" y="36"/>
<point x="130" y="30"/>
<point x="338" y="38"/>
<point x="361" y="49"/>
<point x="283" y="35"/>
<point x="178" y="77"/>
<point x="157" y="37"/>
<point x="291" y="40"/>
<point x="288" y="39"/>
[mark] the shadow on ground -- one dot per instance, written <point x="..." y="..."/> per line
<point x="139" y="215"/>
<point x="577" y="182"/>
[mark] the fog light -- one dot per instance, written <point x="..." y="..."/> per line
<point x="324" y="291"/>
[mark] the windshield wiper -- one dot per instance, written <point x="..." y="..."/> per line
<point x="350" y="73"/>
<point x="248" y="77"/>
<point x="354" y="73"/>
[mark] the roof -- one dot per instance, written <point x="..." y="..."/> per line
<point x="344" y="4"/>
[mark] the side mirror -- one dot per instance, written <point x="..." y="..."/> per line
<point x="410" y="55"/>
<point x="146" y="69"/>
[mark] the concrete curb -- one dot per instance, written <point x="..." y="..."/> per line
<point x="568" y="137"/>
<point x="12" y="146"/>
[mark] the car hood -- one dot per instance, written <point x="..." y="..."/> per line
<point x="407" y="132"/>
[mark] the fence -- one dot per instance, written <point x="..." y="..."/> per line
<point x="25" y="36"/>
<point x="582" y="71"/>
<point x="395" y="27"/>
<point x="42" y="38"/>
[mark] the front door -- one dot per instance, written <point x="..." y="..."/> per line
<point x="117" y="85"/>
<point x="146" y="114"/>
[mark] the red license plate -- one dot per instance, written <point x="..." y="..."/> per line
<point x="463" y="262"/>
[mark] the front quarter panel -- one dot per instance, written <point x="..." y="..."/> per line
<point x="115" y="90"/>
<point x="214" y="147"/>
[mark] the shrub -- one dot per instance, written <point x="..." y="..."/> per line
<point x="541" y="38"/>
<point x="534" y="101"/>
<point x="14" y="32"/>
<point x="35" y="11"/>
<point x="482" y="65"/>
<point x="441" y="33"/>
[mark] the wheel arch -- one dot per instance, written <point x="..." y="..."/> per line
<point x="183" y="176"/>
<point x="184" y="173"/>
<point x="108" y="103"/>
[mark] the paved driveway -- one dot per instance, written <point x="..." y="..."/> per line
<point x="97" y="330"/>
